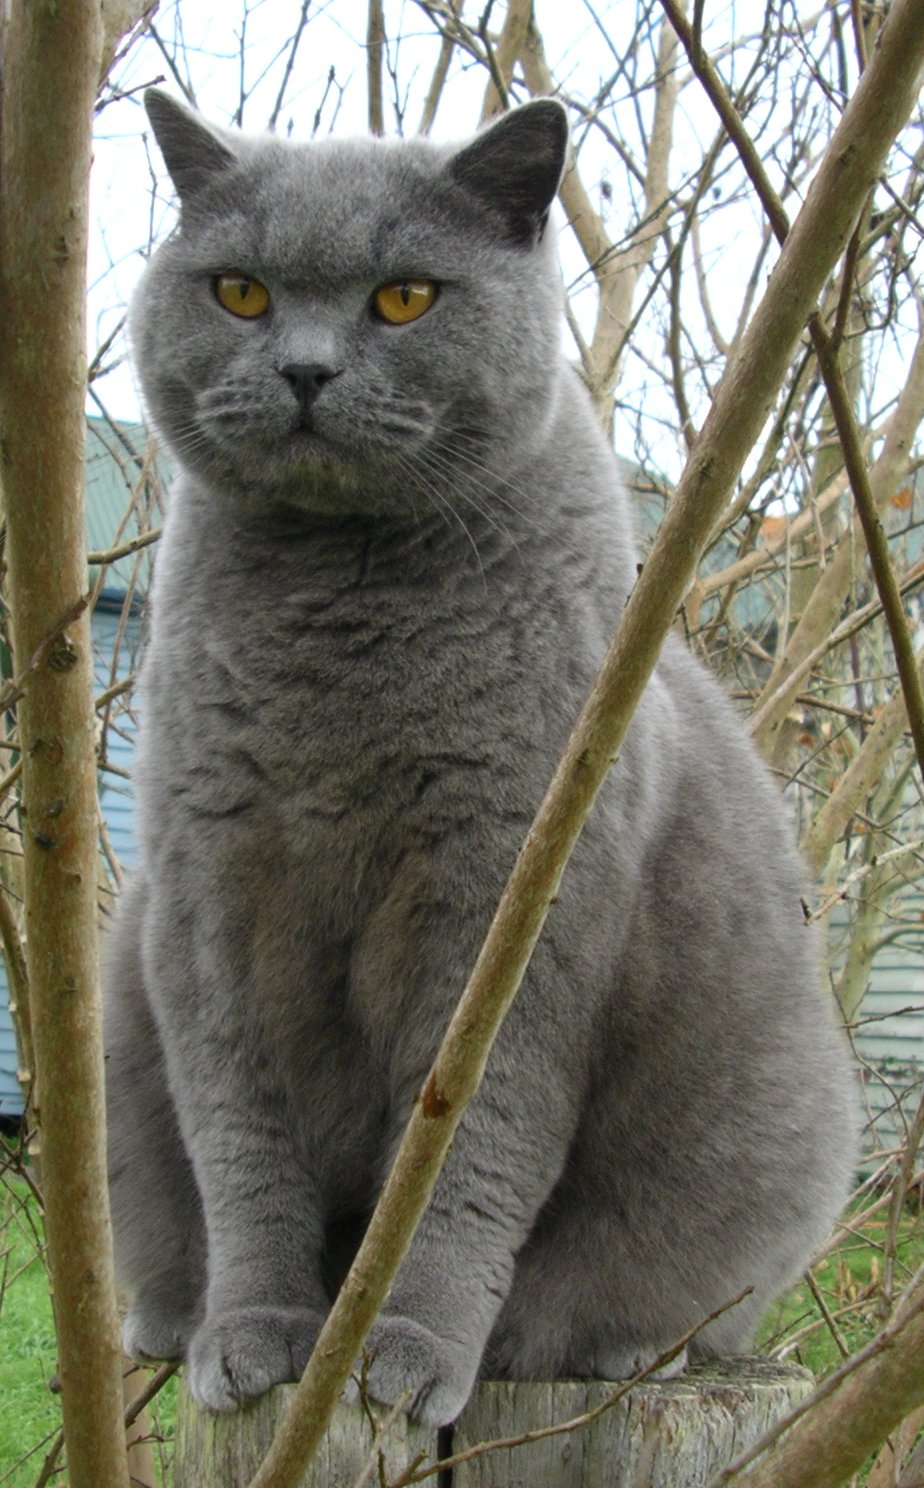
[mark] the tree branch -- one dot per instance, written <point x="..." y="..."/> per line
<point x="616" y="271"/>
<point x="438" y="81"/>
<point x="508" y="48"/>
<point x="375" y="56"/>
<point x="876" y="543"/>
<point x="858" y="780"/>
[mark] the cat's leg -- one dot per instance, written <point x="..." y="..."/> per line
<point x="157" y="1216"/>
<point x="506" y="1156"/>
<point x="265" y="1301"/>
<point x="591" y="1298"/>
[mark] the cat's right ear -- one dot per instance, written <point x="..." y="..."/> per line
<point x="193" y="152"/>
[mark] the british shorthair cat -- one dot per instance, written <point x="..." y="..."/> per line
<point x="395" y="551"/>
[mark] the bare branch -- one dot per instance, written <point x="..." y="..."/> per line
<point x="440" y="72"/>
<point x="876" y="543"/>
<point x="509" y="45"/>
<point x="375" y="58"/>
<point x="290" y="63"/>
<point x="858" y="780"/>
<point x="617" y="272"/>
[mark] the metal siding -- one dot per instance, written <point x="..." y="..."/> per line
<point x="117" y="741"/>
<point x="10" y="1094"/>
<point x="889" y="1036"/>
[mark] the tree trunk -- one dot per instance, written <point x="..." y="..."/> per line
<point x="51" y="62"/>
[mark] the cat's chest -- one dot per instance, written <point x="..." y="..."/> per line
<point x="314" y="676"/>
<point x="344" y="703"/>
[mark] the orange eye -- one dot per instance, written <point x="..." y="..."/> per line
<point x="242" y="296"/>
<point x="405" y="300"/>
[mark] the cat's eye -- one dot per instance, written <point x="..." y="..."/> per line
<point x="242" y="296"/>
<point x="404" y="301"/>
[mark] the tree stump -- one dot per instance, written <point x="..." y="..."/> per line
<point x="675" y="1434"/>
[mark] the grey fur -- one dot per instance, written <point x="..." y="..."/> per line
<point x="370" y="637"/>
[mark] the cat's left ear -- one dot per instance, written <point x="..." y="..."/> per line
<point x="515" y="166"/>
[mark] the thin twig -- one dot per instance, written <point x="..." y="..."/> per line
<point x="440" y="73"/>
<point x="844" y="631"/>
<point x="382" y="1429"/>
<point x="290" y="63"/>
<point x="50" y="1463"/>
<point x="101" y="556"/>
<point x="859" y="874"/>
<point x="876" y="542"/>
<point x="827" y="1316"/>
<point x="375" y="54"/>
<point x="154" y="1386"/>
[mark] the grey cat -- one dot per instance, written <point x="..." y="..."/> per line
<point x="395" y="552"/>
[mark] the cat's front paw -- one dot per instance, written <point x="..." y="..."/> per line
<point x="154" y="1331"/>
<point x="243" y="1353"/>
<point x="404" y="1359"/>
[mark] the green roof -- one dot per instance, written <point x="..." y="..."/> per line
<point x="125" y="485"/>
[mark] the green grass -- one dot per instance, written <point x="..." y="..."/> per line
<point x="849" y="1283"/>
<point x="30" y="1415"/>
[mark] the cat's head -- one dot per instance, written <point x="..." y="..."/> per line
<point x="339" y="324"/>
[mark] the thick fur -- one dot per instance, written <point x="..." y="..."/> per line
<point x="374" y="623"/>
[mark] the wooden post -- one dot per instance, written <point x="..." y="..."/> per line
<point x="675" y="1434"/>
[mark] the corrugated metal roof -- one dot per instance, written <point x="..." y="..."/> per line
<point x="116" y="648"/>
<point x="126" y="477"/>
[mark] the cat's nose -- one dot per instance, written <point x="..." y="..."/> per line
<point x="306" y="380"/>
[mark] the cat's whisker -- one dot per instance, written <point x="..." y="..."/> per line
<point x="473" y="471"/>
<point x="441" y="504"/>
<point x="441" y="468"/>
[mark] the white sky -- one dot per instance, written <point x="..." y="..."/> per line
<point x="123" y="215"/>
<point x="583" y="40"/>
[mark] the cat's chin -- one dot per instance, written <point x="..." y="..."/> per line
<point x="317" y="481"/>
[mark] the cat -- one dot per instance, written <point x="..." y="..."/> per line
<point x="395" y="551"/>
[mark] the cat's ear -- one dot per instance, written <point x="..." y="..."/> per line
<point x="515" y="166"/>
<point x="193" y="152"/>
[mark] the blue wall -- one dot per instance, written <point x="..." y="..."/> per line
<point x="115" y="646"/>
